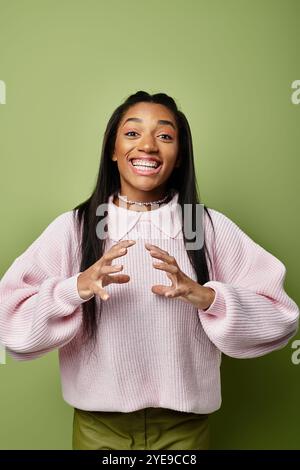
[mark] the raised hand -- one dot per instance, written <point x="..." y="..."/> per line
<point x="92" y="280"/>
<point x="183" y="287"/>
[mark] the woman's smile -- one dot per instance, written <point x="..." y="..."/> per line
<point x="145" y="166"/>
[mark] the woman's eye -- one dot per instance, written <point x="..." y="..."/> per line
<point x="167" y="136"/>
<point x="133" y="132"/>
<point x="130" y="132"/>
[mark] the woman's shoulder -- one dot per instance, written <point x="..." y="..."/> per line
<point x="52" y="251"/>
<point x="217" y="215"/>
<point x="64" y="224"/>
<point x="225" y="233"/>
<point x="58" y="234"/>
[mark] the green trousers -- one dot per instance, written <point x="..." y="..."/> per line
<point x="148" y="428"/>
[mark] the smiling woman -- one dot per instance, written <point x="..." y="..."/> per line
<point x="147" y="146"/>
<point x="140" y="351"/>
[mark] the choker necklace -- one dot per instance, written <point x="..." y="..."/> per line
<point x="143" y="203"/>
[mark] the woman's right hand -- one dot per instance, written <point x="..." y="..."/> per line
<point x="92" y="280"/>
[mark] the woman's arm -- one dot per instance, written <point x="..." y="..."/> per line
<point x="40" y="307"/>
<point x="251" y="314"/>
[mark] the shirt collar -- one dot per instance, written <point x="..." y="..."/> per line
<point x="167" y="218"/>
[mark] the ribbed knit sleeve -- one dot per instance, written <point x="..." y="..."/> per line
<point x="251" y="314"/>
<point x="39" y="301"/>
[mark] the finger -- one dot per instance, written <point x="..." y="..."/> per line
<point x="107" y="269"/>
<point x="100" y="270"/>
<point x="101" y="293"/>
<point x="116" y="251"/>
<point x="125" y="243"/>
<point x="149" y="246"/>
<point x="167" y="258"/>
<point x="166" y="267"/>
<point x="118" y="279"/>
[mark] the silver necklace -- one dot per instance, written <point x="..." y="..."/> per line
<point x="139" y="203"/>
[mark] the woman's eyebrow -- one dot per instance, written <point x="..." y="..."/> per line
<point x="160" y="121"/>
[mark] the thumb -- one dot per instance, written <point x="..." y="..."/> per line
<point x="160" y="290"/>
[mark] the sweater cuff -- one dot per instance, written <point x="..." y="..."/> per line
<point x="218" y="306"/>
<point x="68" y="291"/>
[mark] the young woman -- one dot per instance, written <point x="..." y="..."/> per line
<point x="139" y="314"/>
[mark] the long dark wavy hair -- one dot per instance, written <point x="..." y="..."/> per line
<point x="182" y="179"/>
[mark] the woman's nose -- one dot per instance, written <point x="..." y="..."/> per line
<point x="148" y="144"/>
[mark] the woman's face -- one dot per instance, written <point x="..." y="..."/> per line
<point x="147" y="135"/>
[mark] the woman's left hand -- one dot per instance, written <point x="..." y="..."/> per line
<point x="183" y="287"/>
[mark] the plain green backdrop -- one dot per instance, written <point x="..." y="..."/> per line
<point x="229" y="64"/>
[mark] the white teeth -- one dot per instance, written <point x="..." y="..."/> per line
<point x="142" y="167"/>
<point x="142" y="163"/>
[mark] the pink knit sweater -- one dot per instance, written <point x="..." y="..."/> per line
<point x="152" y="351"/>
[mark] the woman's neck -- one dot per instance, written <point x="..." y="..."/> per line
<point x="137" y="207"/>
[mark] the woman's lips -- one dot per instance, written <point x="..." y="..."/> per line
<point x="146" y="171"/>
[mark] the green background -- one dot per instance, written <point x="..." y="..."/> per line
<point x="229" y="65"/>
